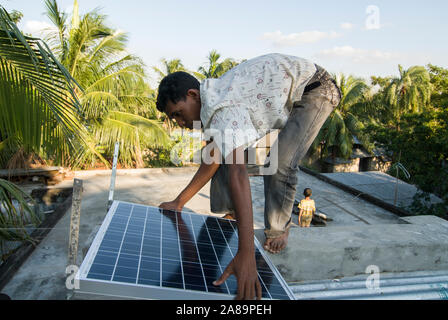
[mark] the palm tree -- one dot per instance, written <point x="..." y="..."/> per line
<point x="16" y="16"/>
<point x="39" y="110"/>
<point x="170" y="66"/>
<point x="16" y="214"/>
<point x="215" y="69"/>
<point x="115" y="91"/>
<point x="338" y="132"/>
<point x="39" y="113"/>
<point x="410" y="92"/>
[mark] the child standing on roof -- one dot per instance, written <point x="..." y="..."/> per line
<point x="307" y="209"/>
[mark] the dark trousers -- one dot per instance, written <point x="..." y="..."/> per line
<point x="304" y="123"/>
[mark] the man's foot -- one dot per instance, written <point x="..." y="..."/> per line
<point x="276" y="245"/>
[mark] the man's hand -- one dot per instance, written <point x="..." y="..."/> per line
<point x="244" y="268"/>
<point x="172" y="205"/>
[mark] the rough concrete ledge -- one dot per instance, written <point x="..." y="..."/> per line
<point x="329" y="253"/>
<point x="365" y="196"/>
<point x="174" y="170"/>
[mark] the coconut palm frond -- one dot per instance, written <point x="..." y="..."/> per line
<point x="91" y="29"/>
<point x="38" y="103"/>
<point x="58" y="37"/>
<point x="335" y="123"/>
<point x="411" y="91"/>
<point x="123" y="62"/>
<point x="169" y="67"/>
<point x="353" y="90"/>
<point x="198" y="75"/>
<point x="159" y="72"/>
<point x="214" y="68"/>
<point x="87" y="157"/>
<point x="132" y="131"/>
<point x="345" y="145"/>
<point x="113" y="80"/>
<point x="96" y="104"/>
<point x="116" y="80"/>
<point x="151" y="131"/>
<point x="356" y="128"/>
<point x="8" y="147"/>
<point x="352" y="122"/>
<point x="75" y="15"/>
<point x="16" y="213"/>
<point x="108" y="47"/>
<point x="139" y="104"/>
<point x="340" y="127"/>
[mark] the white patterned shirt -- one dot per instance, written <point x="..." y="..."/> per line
<point x="253" y="98"/>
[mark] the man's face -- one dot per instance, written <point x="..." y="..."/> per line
<point x="185" y="112"/>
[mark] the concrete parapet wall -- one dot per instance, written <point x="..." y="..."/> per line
<point x="328" y="253"/>
<point x="172" y="170"/>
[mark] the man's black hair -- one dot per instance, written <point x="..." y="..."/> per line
<point x="174" y="87"/>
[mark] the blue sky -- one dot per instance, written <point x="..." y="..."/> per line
<point x="342" y="36"/>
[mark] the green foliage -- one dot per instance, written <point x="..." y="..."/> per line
<point x="161" y="157"/>
<point x="15" y="213"/>
<point x="338" y="132"/>
<point x="410" y="92"/>
<point x="116" y="99"/>
<point x="439" y="81"/>
<point x="39" y="110"/>
<point x="423" y="142"/>
<point x="214" y="68"/>
<point x="405" y="115"/>
<point x="170" y="66"/>
<point x="16" y="16"/>
<point x="422" y="205"/>
<point x="55" y="103"/>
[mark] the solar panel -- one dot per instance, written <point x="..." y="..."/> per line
<point x="144" y="252"/>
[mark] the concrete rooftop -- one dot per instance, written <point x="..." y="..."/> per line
<point x="361" y="234"/>
<point x="380" y="185"/>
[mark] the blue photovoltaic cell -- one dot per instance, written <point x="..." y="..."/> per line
<point x="147" y="246"/>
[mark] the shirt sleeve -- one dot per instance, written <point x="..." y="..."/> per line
<point x="232" y="128"/>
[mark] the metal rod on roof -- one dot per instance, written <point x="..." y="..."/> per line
<point x="113" y="177"/>
<point x="360" y="284"/>
<point x="398" y="165"/>
<point x="412" y="292"/>
<point x="410" y="286"/>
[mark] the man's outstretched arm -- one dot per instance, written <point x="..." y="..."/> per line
<point x="243" y="265"/>
<point x="200" y="179"/>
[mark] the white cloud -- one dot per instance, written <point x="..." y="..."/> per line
<point x="37" y="28"/>
<point x="292" y="39"/>
<point x="358" y="55"/>
<point x="347" y="26"/>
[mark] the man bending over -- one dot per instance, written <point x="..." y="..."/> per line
<point x="274" y="91"/>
